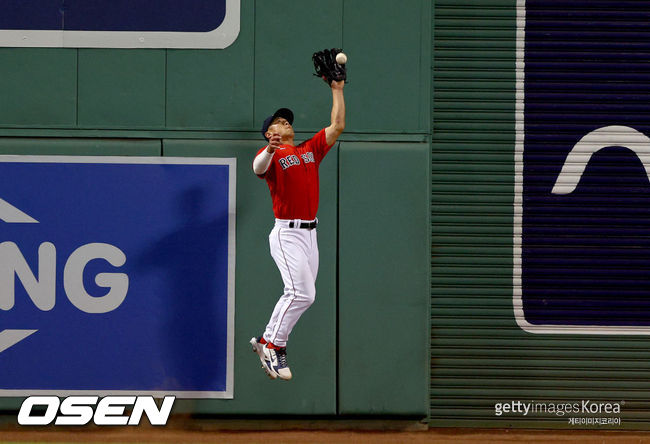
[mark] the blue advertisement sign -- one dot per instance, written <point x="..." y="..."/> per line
<point x="115" y="15"/>
<point x="117" y="276"/>
<point x="582" y="201"/>
<point x="120" y="23"/>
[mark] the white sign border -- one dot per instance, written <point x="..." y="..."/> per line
<point x="231" y="162"/>
<point x="219" y="38"/>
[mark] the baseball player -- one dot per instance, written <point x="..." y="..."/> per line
<point x="291" y="173"/>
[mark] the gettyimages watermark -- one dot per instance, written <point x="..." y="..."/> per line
<point x="81" y="410"/>
<point x="583" y="412"/>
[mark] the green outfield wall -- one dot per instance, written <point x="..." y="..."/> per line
<point x="363" y="348"/>
<point x="417" y="314"/>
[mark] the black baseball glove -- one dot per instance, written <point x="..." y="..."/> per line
<point x="326" y="66"/>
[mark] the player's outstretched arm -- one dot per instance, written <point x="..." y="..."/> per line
<point x="337" y="126"/>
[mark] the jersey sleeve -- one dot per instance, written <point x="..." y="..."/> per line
<point x="319" y="145"/>
<point x="268" y="171"/>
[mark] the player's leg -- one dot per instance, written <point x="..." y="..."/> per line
<point x="291" y="250"/>
<point x="314" y="255"/>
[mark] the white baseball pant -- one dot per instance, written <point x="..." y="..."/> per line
<point x="295" y="251"/>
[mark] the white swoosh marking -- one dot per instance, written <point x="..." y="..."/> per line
<point x="615" y="135"/>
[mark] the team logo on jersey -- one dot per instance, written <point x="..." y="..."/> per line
<point x="292" y="160"/>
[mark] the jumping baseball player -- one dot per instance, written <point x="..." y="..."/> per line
<point x="291" y="173"/>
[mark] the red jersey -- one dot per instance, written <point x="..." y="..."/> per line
<point x="292" y="178"/>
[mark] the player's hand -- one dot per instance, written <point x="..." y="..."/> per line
<point x="274" y="143"/>
<point x="338" y="85"/>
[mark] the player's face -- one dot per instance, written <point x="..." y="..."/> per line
<point x="282" y="127"/>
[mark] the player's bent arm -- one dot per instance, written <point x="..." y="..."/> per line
<point x="337" y="126"/>
<point x="262" y="162"/>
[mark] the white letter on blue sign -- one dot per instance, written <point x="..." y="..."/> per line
<point x="42" y="291"/>
<point x="117" y="282"/>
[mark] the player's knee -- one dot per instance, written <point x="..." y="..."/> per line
<point x="309" y="297"/>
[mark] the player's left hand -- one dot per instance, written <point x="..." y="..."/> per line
<point x="326" y="66"/>
<point x="337" y="85"/>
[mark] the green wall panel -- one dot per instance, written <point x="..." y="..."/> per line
<point x="312" y="345"/>
<point x="80" y="147"/>
<point x="121" y="88"/>
<point x="283" y="64"/>
<point x="213" y="88"/>
<point x="389" y="64"/>
<point x="234" y="89"/>
<point x="384" y="293"/>
<point x="38" y="87"/>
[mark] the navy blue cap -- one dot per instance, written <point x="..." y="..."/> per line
<point x="285" y="113"/>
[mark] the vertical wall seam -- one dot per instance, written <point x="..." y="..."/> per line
<point x="343" y="24"/>
<point x="254" y="62"/>
<point x="431" y="19"/>
<point x="166" y="87"/>
<point x="337" y="274"/>
<point x="337" y="378"/>
<point x="77" y="92"/>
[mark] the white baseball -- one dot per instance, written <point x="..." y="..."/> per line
<point x="341" y="58"/>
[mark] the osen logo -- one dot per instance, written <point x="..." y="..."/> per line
<point x="80" y="410"/>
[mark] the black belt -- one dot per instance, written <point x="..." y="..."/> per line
<point x="307" y="225"/>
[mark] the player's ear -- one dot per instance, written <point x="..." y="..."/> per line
<point x="268" y="135"/>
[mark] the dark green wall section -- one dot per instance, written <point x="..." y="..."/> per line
<point x="269" y="65"/>
<point x="383" y="278"/>
<point x="81" y="147"/>
<point x="38" y="87"/>
<point x="389" y="44"/>
<point x="214" y="89"/>
<point x="121" y="88"/>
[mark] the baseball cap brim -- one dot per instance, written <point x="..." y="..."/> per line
<point x="285" y="113"/>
